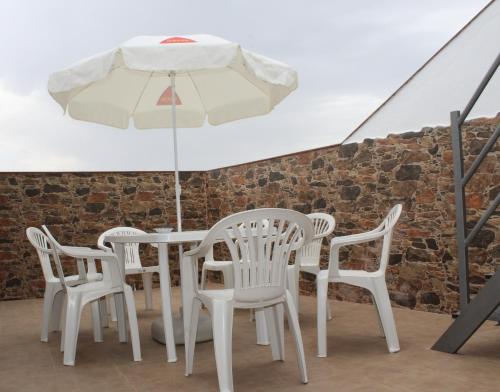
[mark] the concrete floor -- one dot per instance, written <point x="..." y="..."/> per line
<point x="358" y="359"/>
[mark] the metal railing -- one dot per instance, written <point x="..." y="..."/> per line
<point x="472" y="314"/>
<point x="460" y="179"/>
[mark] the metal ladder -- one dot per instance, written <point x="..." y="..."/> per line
<point x="472" y="313"/>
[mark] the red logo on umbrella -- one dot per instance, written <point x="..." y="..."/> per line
<point x="177" y="40"/>
<point x="166" y="98"/>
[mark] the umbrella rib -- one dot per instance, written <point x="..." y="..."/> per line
<point x="81" y="89"/>
<point x="141" y="94"/>
<point x="199" y="95"/>
<point x="248" y="80"/>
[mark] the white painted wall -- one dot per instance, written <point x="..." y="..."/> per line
<point x="445" y="84"/>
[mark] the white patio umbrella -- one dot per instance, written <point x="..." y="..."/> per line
<point x="170" y="82"/>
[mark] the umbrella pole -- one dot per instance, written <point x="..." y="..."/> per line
<point x="176" y="158"/>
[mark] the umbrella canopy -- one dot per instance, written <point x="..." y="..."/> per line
<point x="170" y="82"/>
<point x="215" y="79"/>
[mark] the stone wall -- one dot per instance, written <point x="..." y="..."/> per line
<point x="357" y="183"/>
<point x="78" y="207"/>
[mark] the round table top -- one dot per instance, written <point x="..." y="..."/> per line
<point x="173" y="237"/>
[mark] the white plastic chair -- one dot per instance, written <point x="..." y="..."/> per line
<point x="259" y="259"/>
<point x="133" y="263"/>
<point x="226" y="267"/>
<point x="372" y="281"/>
<point x="307" y="258"/>
<point x="82" y="293"/>
<point x="54" y="293"/>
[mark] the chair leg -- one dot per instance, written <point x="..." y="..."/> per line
<point x="193" y="330"/>
<point x="132" y="321"/>
<point x="275" y="333"/>
<point x="63" y="321"/>
<point x="103" y="310"/>
<point x="260" y="327"/>
<point x="279" y="314"/>
<point x="295" y="327"/>
<point x="72" y="325"/>
<point x="112" y="307"/>
<point x="293" y="284"/>
<point x="386" y="316"/>
<point x="222" y="326"/>
<point x="55" y="321"/>
<point x="120" y="317"/>
<point x="48" y="307"/>
<point x="147" y="281"/>
<point x="203" y="277"/>
<point x="328" y="310"/>
<point x="380" y="326"/>
<point x="322" y="302"/>
<point x="96" y="321"/>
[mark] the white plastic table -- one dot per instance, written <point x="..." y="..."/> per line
<point x="164" y="240"/>
<point x="187" y="290"/>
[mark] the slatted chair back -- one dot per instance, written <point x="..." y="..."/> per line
<point x="260" y="243"/>
<point x="132" y="258"/>
<point x="56" y="250"/>
<point x="41" y="243"/>
<point x="323" y="224"/>
<point x="387" y="228"/>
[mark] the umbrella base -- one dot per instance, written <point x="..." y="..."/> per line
<point x="204" y="329"/>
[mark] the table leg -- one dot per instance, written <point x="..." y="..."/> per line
<point x="181" y="324"/>
<point x="187" y="291"/>
<point x="166" y="302"/>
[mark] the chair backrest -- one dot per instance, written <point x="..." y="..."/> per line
<point x="323" y="224"/>
<point x="260" y="255"/>
<point x="56" y="249"/>
<point x="41" y="243"/>
<point x="132" y="258"/>
<point x="265" y="222"/>
<point x="387" y="227"/>
<point x="253" y="225"/>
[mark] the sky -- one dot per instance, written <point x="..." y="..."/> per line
<point x="350" y="56"/>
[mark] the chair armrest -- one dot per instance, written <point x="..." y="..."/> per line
<point x="356" y="238"/>
<point x="85" y="253"/>
<point x="72" y="251"/>
<point x="91" y="266"/>
<point x="353" y="239"/>
<point x="68" y="248"/>
<point x="78" y="248"/>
